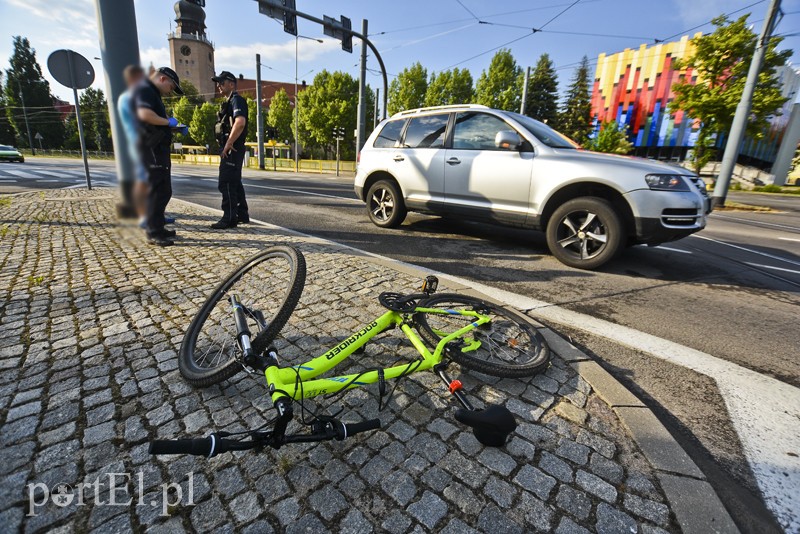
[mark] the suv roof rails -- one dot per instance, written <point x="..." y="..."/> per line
<point x="435" y="108"/>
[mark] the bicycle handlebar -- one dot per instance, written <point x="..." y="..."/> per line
<point x="214" y="444"/>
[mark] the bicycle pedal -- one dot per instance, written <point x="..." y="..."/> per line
<point x="430" y="284"/>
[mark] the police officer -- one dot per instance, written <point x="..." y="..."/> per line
<point x="231" y="131"/>
<point x="153" y="143"/>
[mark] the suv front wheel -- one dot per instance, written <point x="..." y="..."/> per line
<point x="385" y="204"/>
<point x="585" y="232"/>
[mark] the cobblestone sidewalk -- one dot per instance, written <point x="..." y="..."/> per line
<point x="91" y="319"/>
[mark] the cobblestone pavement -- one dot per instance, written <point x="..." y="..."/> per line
<point x="91" y="319"/>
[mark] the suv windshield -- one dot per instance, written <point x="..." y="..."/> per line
<point x="4" y="147"/>
<point x="543" y="132"/>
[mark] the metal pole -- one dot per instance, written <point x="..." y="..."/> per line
<point x="119" y="47"/>
<point x="80" y="122"/>
<point x="788" y="148"/>
<point x="375" y="114"/>
<point x="296" y="110"/>
<point x="25" y="114"/>
<point x="40" y="145"/>
<point x="259" y="116"/>
<point x="743" y="110"/>
<point x="362" y="100"/>
<point x="525" y="91"/>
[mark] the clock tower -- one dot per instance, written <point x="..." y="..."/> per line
<point x="191" y="53"/>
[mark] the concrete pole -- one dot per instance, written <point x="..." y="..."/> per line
<point x="259" y="114"/>
<point x="743" y="110"/>
<point x="119" y="47"/>
<point x="788" y="148"/>
<point x="375" y="114"/>
<point x="25" y="114"/>
<point x="525" y="91"/>
<point x="362" y="100"/>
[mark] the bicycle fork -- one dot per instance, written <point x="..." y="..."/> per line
<point x="243" y="337"/>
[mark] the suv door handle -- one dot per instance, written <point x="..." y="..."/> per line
<point x="453" y="161"/>
<point x="399" y="158"/>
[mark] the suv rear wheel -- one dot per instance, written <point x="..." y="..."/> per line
<point x="385" y="204"/>
<point x="585" y="232"/>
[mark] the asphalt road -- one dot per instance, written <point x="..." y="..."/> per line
<point x="731" y="291"/>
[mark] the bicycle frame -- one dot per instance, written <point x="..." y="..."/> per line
<point x="300" y="382"/>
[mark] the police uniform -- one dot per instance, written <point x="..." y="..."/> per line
<point x="234" y="204"/>
<point x="153" y="145"/>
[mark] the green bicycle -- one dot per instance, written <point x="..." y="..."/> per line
<point x="234" y="328"/>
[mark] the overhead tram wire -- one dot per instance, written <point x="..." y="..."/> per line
<point x="565" y="32"/>
<point x="468" y="10"/>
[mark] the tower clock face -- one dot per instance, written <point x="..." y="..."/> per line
<point x="185" y="50"/>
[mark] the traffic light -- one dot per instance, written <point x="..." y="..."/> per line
<point x="338" y="133"/>
<point x="347" y="37"/>
<point x="275" y="9"/>
<point x="339" y="29"/>
<point x="289" y="19"/>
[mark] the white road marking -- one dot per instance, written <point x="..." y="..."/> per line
<point x="21" y="174"/>
<point x="764" y="411"/>
<point x="771" y="267"/>
<point x="789" y="239"/>
<point x="8" y="181"/>
<point x="774" y="257"/>
<point x="662" y="247"/>
<point x="305" y="192"/>
<point x="49" y="181"/>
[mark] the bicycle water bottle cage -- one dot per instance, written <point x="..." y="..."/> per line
<point x="491" y="426"/>
<point x="398" y="302"/>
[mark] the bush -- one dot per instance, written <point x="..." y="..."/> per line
<point x="771" y="188"/>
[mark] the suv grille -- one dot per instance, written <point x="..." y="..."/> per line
<point x="679" y="217"/>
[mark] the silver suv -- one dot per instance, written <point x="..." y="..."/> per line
<point x="480" y="163"/>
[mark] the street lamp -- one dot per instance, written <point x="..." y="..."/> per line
<point x="296" y="107"/>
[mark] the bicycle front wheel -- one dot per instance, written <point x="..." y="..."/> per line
<point x="268" y="285"/>
<point x="508" y="346"/>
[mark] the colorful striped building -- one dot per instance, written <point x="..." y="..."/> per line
<point x="634" y="88"/>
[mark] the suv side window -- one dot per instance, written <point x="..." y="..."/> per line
<point x="389" y="134"/>
<point x="426" y="132"/>
<point x="477" y="131"/>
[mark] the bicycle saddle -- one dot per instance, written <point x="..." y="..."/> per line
<point x="491" y="426"/>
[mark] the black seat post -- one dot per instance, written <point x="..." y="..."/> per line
<point x="454" y="386"/>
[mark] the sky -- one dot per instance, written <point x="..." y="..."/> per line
<point x="441" y="34"/>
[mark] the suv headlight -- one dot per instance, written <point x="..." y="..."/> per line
<point x="666" y="182"/>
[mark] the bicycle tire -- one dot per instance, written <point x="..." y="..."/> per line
<point x="290" y="266"/>
<point x="525" y="340"/>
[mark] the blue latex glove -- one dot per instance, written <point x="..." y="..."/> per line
<point x="184" y="130"/>
<point x="173" y="122"/>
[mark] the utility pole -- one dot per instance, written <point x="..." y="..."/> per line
<point x="743" y="109"/>
<point x="375" y="114"/>
<point x="525" y="91"/>
<point x="338" y="134"/>
<point x="362" y="101"/>
<point x="259" y="116"/>
<point x="25" y="114"/>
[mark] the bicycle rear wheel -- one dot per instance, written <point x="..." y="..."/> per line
<point x="508" y="346"/>
<point x="269" y="286"/>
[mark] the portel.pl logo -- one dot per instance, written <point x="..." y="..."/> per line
<point x="110" y="489"/>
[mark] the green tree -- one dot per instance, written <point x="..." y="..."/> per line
<point x="190" y="93"/>
<point x="94" y="113"/>
<point x="201" y="129"/>
<point x="501" y="86"/>
<point x="183" y="110"/>
<point x="407" y="90"/>
<point x="449" y="87"/>
<point x="542" y="101"/>
<point x="331" y="101"/>
<point x="25" y="75"/>
<point x="611" y="139"/>
<point x="721" y="61"/>
<point x="252" y="121"/>
<point x="574" y="121"/>
<point x="281" y="116"/>
<point x="6" y="129"/>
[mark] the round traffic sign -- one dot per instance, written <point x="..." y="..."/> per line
<point x="59" y="64"/>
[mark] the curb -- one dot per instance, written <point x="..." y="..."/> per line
<point x="697" y="507"/>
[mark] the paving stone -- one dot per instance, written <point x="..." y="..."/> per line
<point x="259" y="527"/>
<point x="567" y="526"/>
<point x="496" y="460"/>
<point x="495" y="521"/>
<point x="245" y="507"/>
<point x="611" y="521"/>
<point x="574" y="502"/>
<point x="596" y="486"/>
<point x="396" y="523"/>
<point x="327" y="502"/>
<point x="500" y="491"/>
<point x="573" y="451"/>
<point x="400" y="487"/>
<point x="653" y="511"/>
<point x="207" y="515"/>
<point x="287" y="510"/>
<point x="355" y="523"/>
<point x="436" y="478"/>
<point x="535" y="481"/>
<point x="429" y="510"/>
<point x="456" y="526"/>
<point x="98" y="434"/>
<point x="308" y="524"/>
<point x="402" y="431"/>
<point x="556" y="467"/>
<point x="611" y="471"/>
<point x="598" y="443"/>
<point x="463" y="498"/>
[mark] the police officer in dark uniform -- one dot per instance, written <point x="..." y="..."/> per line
<point x="155" y="136"/>
<point x="231" y="131"/>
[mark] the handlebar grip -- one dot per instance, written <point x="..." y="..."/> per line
<point x="198" y="447"/>
<point x="351" y="429"/>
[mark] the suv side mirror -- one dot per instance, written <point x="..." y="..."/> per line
<point x="507" y="140"/>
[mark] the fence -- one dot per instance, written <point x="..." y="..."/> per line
<point x="279" y="164"/>
<point x="58" y="153"/>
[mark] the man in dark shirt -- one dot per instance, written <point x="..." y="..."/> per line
<point x="231" y="130"/>
<point x="155" y="136"/>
